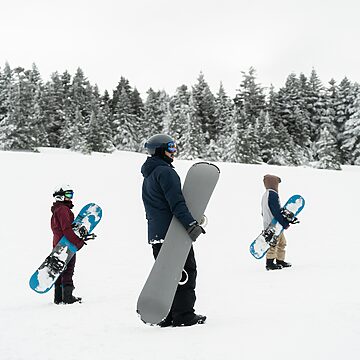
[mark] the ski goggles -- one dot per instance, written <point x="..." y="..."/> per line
<point x="171" y="147"/>
<point x="69" y="194"/>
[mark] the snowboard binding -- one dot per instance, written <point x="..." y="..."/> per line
<point x="269" y="237"/>
<point x="54" y="264"/>
<point x="289" y="216"/>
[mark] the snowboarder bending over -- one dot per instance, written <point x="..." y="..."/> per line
<point x="61" y="225"/>
<point x="271" y="209"/>
<point x="163" y="198"/>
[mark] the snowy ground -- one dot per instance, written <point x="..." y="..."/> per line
<point x="310" y="311"/>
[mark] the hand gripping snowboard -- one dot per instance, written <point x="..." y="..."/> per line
<point x="268" y="237"/>
<point x="158" y="293"/>
<point x="45" y="276"/>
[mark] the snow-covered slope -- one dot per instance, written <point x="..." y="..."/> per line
<point x="310" y="311"/>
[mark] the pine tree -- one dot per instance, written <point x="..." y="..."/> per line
<point x="7" y="125"/>
<point x="268" y="138"/>
<point x="347" y="95"/>
<point x="153" y="113"/>
<point x="315" y="104"/>
<point x="223" y="116"/>
<point x="351" y="135"/>
<point x="250" y="98"/>
<point x="204" y="107"/>
<point x="125" y="122"/>
<point x="192" y="141"/>
<point x="179" y="106"/>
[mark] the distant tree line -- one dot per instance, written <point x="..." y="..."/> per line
<point x="303" y="122"/>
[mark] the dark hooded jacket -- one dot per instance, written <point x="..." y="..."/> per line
<point x="163" y="198"/>
<point x="61" y="223"/>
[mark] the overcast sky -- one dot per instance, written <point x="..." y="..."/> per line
<point x="164" y="43"/>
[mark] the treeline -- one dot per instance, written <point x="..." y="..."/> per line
<point x="304" y="122"/>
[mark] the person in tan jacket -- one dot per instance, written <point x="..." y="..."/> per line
<point x="271" y="208"/>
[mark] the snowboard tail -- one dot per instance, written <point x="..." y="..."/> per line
<point x="156" y="297"/>
<point x="268" y="237"/>
<point x="48" y="272"/>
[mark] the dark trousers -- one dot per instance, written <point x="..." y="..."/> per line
<point x="184" y="300"/>
<point x="66" y="277"/>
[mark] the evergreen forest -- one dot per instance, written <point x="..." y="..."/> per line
<point x="302" y="123"/>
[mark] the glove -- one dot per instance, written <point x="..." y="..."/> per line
<point x="194" y="231"/>
<point x="295" y="220"/>
<point x="89" y="237"/>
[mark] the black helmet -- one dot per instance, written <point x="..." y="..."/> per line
<point x="158" y="143"/>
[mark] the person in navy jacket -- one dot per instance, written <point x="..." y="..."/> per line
<point x="163" y="198"/>
<point x="271" y="208"/>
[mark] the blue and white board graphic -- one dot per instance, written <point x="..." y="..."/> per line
<point x="259" y="247"/>
<point x="45" y="276"/>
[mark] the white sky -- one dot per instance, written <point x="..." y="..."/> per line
<point x="163" y="43"/>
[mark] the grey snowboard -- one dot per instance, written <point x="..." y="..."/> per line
<point x="157" y="295"/>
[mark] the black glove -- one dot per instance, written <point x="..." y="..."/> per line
<point x="295" y="220"/>
<point x="194" y="231"/>
<point x="89" y="237"/>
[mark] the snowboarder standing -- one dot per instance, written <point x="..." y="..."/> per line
<point x="271" y="209"/>
<point x="61" y="225"/>
<point x="163" y="198"/>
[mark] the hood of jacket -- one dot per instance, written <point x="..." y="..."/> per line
<point x="151" y="163"/>
<point x="272" y="182"/>
<point x="56" y="204"/>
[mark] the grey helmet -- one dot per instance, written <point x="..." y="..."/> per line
<point x="159" y="143"/>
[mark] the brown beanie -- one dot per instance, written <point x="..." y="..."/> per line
<point x="272" y="182"/>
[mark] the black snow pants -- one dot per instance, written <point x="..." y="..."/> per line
<point x="184" y="300"/>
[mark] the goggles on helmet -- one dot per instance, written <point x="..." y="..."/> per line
<point x="69" y="194"/>
<point x="171" y="147"/>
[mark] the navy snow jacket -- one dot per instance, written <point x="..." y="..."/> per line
<point x="163" y="198"/>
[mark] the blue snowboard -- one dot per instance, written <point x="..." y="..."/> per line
<point x="45" y="276"/>
<point x="260" y="246"/>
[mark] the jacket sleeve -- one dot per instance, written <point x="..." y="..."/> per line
<point x="171" y="186"/>
<point x="274" y="205"/>
<point x="65" y="221"/>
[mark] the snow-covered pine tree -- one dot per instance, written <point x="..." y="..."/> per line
<point x="7" y="124"/>
<point x="124" y="136"/>
<point x="223" y="115"/>
<point x="268" y="138"/>
<point x="351" y="136"/>
<point x="179" y="114"/>
<point x="153" y="113"/>
<point x="315" y="104"/>
<point x="99" y="134"/>
<point x="250" y="98"/>
<point x="193" y="141"/>
<point x="345" y="108"/>
<point x="204" y="108"/>
<point x="325" y="147"/>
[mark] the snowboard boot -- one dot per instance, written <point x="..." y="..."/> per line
<point x="166" y="322"/>
<point x="68" y="297"/>
<point x="270" y="265"/>
<point x="58" y="296"/>
<point x="283" y="263"/>
<point x="196" y="319"/>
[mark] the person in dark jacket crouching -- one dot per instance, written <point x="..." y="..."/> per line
<point x="163" y="199"/>
<point x="61" y="225"/>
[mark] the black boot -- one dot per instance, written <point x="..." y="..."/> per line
<point x="283" y="263"/>
<point x="270" y="265"/>
<point x="196" y="319"/>
<point x="58" y="297"/>
<point x="68" y="297"/>
<point x="166" y="322"/>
